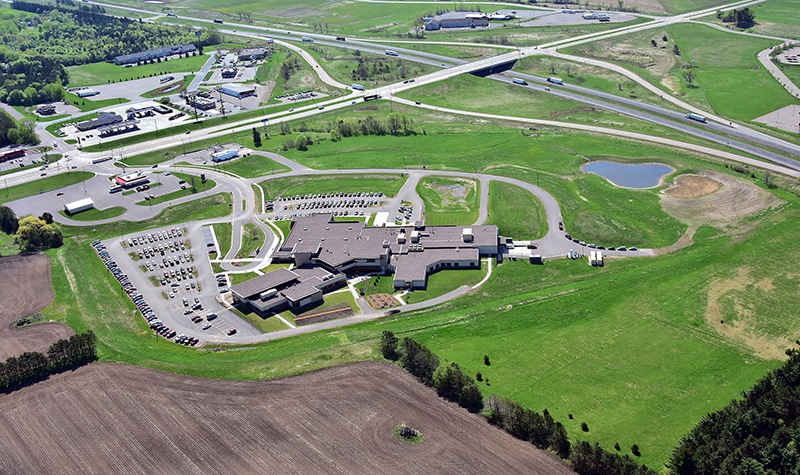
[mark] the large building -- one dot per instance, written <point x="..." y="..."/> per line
<point x="238" y="90"/>
<point x="283" y="288"/>
<point x="106" y="118"/>
<point x="410" y="252"/>
<point x="434" y="25"/>
<point x="154" y="54"/>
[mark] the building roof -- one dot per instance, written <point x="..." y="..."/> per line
<point x="264" y="282"/>
<point x="154" y="53"/>
<point x="413" y="265"/>
<point x="79" y="204"/>
<point x="299" y="291"/>
<point x="131" y="176"/>
<point x="239" y="88"/>
<point x="106" y="118"/>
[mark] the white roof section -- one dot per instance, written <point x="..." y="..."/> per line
<point x="86" y="202"/>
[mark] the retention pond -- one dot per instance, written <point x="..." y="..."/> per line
<point x="629" y="175"/>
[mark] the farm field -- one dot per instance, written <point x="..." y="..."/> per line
<point x="516" y="212"/>
<point x="234" y="419"/>
<point x="346" y="183"/>
<point x="25" y="290"/>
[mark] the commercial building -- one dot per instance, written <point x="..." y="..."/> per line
<point x="434" y="25"/>
<point x="11" y="153"/>
<point x="78" y="206"/>
<point x="250" y="54"/>
<point x="85" y="92"/>
<point x="154" y="54"/>
<point x="106" y="118"/>
<point x="224" y="155"/>
<point x="202" y="103"/>
<point x="238" y="90"/>
<point x="46" y="109"/>
<point x="228" y="73"/>
<point x="410" y="252"/>
<point x="132" y="179"/>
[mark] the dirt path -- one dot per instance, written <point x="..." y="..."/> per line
<point x="25" y="289"/>
<point x="116" y="418"/>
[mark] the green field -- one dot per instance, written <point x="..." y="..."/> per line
<point x="253" y="166"/>
<point x="239" y="278"/>
<point x="449" y="200"/>
<point x="516" y="212"/>
<point x="42" y="185"/>
<point x="252" y="238"/>
<point x="29" y="114"/>
<point x="342" y="297"/>
<point x="95" y="214"/>
<point x="19" y="169"/>
<point x="777" y="18"/>
<point x="729" y="79"/>
<point x="467" y="53"/>
<point x="86" y="104"/>
<point x="223" y="231"/>
<point x="443" y="281"/>
<point x="93" y="74"/>
<point x="346" y="183"/>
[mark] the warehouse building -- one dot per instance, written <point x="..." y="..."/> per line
<point x="154" y="54"/>
<point x="78" y="206"/>
<point x="434" y="25"/>
<point x="238" y="90"/>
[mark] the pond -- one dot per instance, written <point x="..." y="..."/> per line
<point x="628" y="175"/>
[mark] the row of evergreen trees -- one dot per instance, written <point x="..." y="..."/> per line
<point x="537" y="428"/>
<point x="63" y="354"/>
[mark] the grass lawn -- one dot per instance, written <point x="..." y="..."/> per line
<point x="467" y="53"/>
<point x="449" y="200"/>
<point x="379" y="284"/>
<point x="443" y="281"/>
<point x="101" y="73"/>
<point x="43" y="185"/>
<point x="283" y="225"/>
<point x="777" y="18"/>
<point x="347" y="183"/>
<point x="19" y="169"/>
<point x="223" y="231"/>
<point x="29" y="114"/>
<point x="253" y="166"/>
<point x="273" y="267"/>
<point x="340" y="297"/>
<point x="8" y="244"/>
<point x="252" y="238"/>
<point x="159" y="91"/>
<point x="207" y="207"/>
<point x="198" y="187"/>
<point x="239" y="278"/>
<point x="86" y="104"/>
<point x="95" y="214"/>
<point x="516" y="212"/>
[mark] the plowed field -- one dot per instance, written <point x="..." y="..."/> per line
<point x="25" y="289"/>
<point x="116" y="418"/>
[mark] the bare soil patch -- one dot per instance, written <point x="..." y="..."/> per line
<point x="382" y="301"/>
<point x="25" y="289"/>
<point x="735" y="200"/>
<point x="688" y="187"/>
<point x="108" y="417"/>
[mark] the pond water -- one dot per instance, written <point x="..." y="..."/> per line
<point x="629" y="175"/>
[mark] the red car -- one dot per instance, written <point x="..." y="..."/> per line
<point x="231" y="331"/>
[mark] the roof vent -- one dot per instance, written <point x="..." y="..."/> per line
<point x="305" y="229"/>
<point x="321" y="239"/>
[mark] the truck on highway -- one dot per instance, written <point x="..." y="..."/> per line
<point x="307" y="39"/>
<point x="391" y="53"/>
<point x="555" y="80"/>
<point x="519" y="81"/>
<point x="101" y="160"/>
<point x="219" y="22"/>
<point x="696" y="117"/>
<point x="371" y="97"/>
<point x="357" y="87"/>
<point x="340" y="38"/>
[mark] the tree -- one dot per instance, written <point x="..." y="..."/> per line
<point x="744" y="18"/>
<point x="301" y="143"/>
<point x="653" y="43"/>
<point x="389" y="346"/>
<point x="418" y="360"/>
<point x="256" y="138"/>
<point x="46" y="217"/>
<point x="584" y="427"/>
<point x="676" y="51"/>
<point x="486" y="360"/>
<point x="8" y="220"/>
<point x="689" y="77"/>
<point x="33" y="234"/>
<point x="635" y="450"/>
<point x="471" y="398"/>
<point x="449" y="380"/>
<point x="664" y="38"/>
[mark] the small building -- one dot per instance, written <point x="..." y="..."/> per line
<point x="132" y="179"/>
<point x="118" y="128"/>
<point x="229" y="73"/>
<point x="46" y="109"/>
<point x="224" y="155"/>
<point x="250" y="54"/>
<point x="78" y="206"/>
<point x="11" y="153"/>
<point x="202" y="103"/>
<point x="86" y="92"/>
<point x="106" y="118"/>
<point x="238" y="90"/>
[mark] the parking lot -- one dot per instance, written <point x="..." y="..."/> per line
<point x="173" y="284"/>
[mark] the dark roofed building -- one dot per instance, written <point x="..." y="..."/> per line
<point x="106" y="118"/>
<point x="154" y="54"/>
<point x="456" y="23"/>
<point x="248" y="54"/>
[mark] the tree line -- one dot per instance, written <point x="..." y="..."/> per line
<point x="537" y="428"/>
<point x="32" y="366"/>
<point x="756" y="435"/>
<point x="743" y="18"/>
<point x="13" y="132"/>
<point x="396" y="123"/>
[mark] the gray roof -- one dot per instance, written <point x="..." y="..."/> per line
<point x="154" y="53"/>
<point x="299" y="291"/>
<point x="264" y="282"/>
<point x="413" y="265"/>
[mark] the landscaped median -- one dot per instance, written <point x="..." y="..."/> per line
<point x="44" y="185"/>
<point x="193" y="187"/>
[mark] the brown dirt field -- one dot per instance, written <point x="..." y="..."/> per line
<point x="736" y="200"/>
<point x="117" y="418"/>
<point x="25" y="289"/>
<point x="688" y="187"/>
